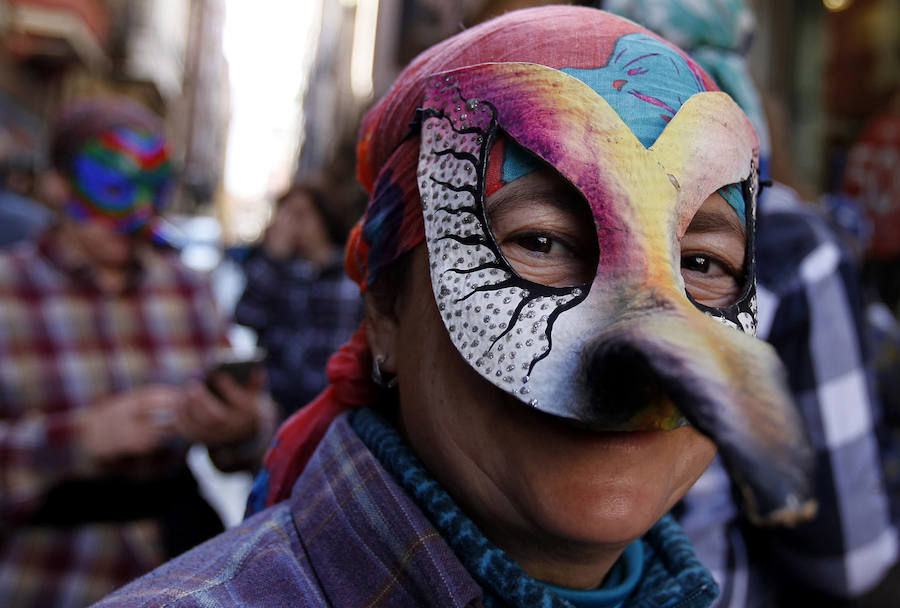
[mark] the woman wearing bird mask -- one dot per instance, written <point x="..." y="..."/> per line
<point x="557" y="264"/>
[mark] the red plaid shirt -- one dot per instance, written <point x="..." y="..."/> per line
<point x="66" y="345"/>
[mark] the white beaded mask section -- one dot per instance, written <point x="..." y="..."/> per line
<point x="501" y="327"/>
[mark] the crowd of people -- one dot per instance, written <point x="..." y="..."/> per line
<point x="585" y="347"/>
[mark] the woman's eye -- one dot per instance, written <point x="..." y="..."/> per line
<point x="549" y="259"/>
<point x="545" y="230"/>
<point x="537" y="243"/>
<point x="713" y="252"/>
<point x="550" y="248"/>
<point x="708" y="265"/>
<point x="697" y="263"/>
<point x="709" y="280"/>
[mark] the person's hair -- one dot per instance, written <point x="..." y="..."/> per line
<point x="83" y="120"/>
<point x="390" y="284"/>
<point x="330" y="211"/>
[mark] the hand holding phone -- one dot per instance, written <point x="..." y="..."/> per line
<point x="238" y="368"/>
<point x="241" y="413"/>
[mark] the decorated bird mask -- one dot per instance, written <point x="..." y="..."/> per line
<point x="628" y="348"/>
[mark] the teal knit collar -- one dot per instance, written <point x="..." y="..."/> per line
<point x="621" y="581"/>
<point x="660" y="567"/>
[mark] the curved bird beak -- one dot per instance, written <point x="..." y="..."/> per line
<point x="728" y="385"/>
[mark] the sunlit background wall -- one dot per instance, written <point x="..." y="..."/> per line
<point x="269" y="60"/>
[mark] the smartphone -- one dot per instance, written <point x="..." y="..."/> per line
<point x="239" y="368"/>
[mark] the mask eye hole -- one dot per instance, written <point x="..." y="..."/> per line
<point x="713" y="254"/>
<point x="545" y="230"/>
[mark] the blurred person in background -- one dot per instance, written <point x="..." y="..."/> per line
<point x="298" y="298"/>
<point x="871" y="182"/>
<point x="871" y="179"/>
<point x="811" y="311"/>
<point x="104" y="338"/>
<point x="21" y="217"/>
<point x="557" y="275"/>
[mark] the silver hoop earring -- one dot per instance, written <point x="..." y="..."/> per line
<point x="380" y="378"/>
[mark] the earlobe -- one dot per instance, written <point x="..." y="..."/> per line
<point x="382" y="330"/>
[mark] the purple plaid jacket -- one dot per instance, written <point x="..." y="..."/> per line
<point x="349" y="536"/>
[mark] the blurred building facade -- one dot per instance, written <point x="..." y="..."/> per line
<point x="164" y="53"/>
<point x="330" y="107"/>
<point x="204" y="107"/>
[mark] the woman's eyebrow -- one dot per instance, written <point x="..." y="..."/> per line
<point x="717" y="221"/>
<point x="507" y="199"/>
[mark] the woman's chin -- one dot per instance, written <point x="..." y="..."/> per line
<point x="601" y="514"/>
<point x="608" y="487"/>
